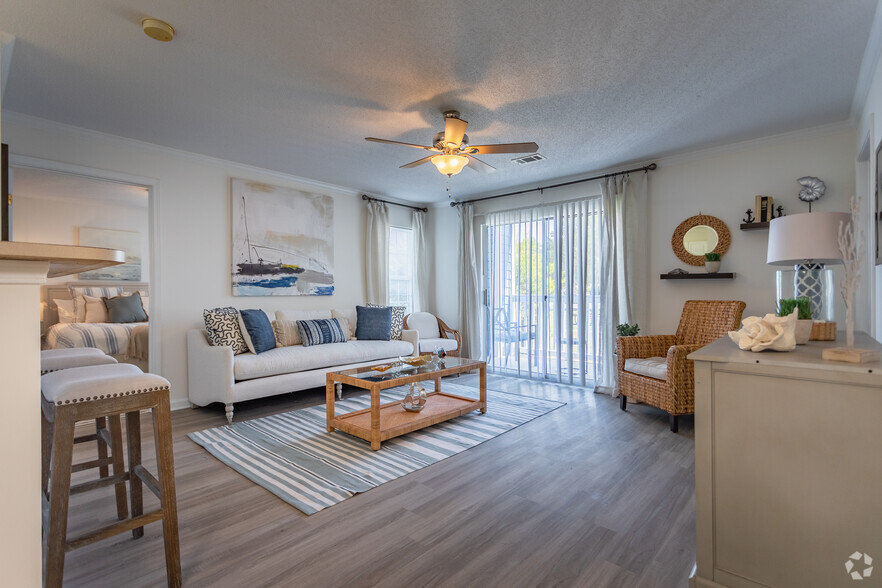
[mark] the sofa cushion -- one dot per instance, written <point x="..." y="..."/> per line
<point x="349" y="315"/>
<point x="257" y="330"/>
<point x="297" y="358"/>
<point x="321" y="332"/>
<point x="430" y="345"/>
<point x="222" y="328"/>
<point x="374" y="323"/>
<point x="652" y="367"/>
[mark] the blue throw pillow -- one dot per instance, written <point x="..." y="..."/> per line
<point x="259" y="330"/>
<point x="125" y="309"/>
<point x="321" y="332"/>
<point x="373" y="324"/>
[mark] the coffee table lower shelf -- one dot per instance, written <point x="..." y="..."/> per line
<point x="395" y="421"/>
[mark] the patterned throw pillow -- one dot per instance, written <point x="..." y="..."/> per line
<point x="222" y="326"/>
<point x="321" y="332"/>
<point x="397" y="319"/>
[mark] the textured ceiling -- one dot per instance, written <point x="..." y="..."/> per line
<point x="296" y="86"/>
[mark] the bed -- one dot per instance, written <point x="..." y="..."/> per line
<point x="127" y="342"/>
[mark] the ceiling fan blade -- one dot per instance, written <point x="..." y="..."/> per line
<point x="479" y="166"/>
<point x="418" y="162"/>
<point x="454" y="129"/>
<point x="503" y="148"/>
<point x="375" y="140"/>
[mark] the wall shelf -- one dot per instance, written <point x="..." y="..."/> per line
<point x="754" y="226"/>
<point x="697" y="276"/>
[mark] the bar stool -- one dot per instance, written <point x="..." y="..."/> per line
<point x="86" y="393"/>
<point x="53" y="360"/>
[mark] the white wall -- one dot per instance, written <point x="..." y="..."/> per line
<point x="56" y="218"/>
<point x="193" y="197"/>
<point x="721" y="182"/>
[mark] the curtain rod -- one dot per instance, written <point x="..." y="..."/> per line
<point x="644" y="169"/>
<point x="370" y="199"/>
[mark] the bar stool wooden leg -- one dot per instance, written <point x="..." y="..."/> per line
<point x="46" y="452"/>
<point x="101" y="424"/>
<point x="162" y="434"/>
<point x="59" y="495"/>
<point x="133" y="437"/>
<point x="119" y="465"/>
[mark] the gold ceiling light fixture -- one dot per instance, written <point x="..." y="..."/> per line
<point x="158" y="29"/>
<point x="453" y="150"/>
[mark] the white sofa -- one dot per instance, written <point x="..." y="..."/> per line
<point x="216" y="375"/>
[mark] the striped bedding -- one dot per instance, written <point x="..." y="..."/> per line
<point x="111" y="338"/>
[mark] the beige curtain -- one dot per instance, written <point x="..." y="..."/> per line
<point x="469" y="288"/>
<point x="624" y="267"/>
<point x="376" y="252"/>
<point x="420" y="262"/>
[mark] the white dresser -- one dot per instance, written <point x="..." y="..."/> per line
<point x="788" y="467"/>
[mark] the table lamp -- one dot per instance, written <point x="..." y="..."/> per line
<point x="808" y="242"/>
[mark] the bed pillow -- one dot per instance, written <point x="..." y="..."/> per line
<point x="66" y="313"/>
<point x="222" y="327"/>
<point x="77" y="293"/>
<point x="373" y="323"/>
<point x="321" y="332"/>
<point x="96" y="311"/>
<point x="257" y="330"/>
<point x="124" y="309"/>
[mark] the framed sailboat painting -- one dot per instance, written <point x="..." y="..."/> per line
<point x="283" y="241"/>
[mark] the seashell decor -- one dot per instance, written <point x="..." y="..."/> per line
<point x="813" y="188"/>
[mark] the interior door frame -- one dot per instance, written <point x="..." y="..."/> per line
<point x="152" y="186"/>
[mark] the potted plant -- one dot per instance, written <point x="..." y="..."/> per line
<point x="626" y="330"/>
<point x="711" y="262"/>
<point x="804" y="322"/>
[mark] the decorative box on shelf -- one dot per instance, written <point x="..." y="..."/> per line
<point x="823" y="331"/>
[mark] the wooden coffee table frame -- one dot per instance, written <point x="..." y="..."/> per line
<point x="385" y="421"/>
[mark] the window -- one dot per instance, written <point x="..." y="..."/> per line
<point x="401" y="268"/>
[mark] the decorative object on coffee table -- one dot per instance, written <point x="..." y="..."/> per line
<point x="852" y="257"/>
<point x="415" y="400"/>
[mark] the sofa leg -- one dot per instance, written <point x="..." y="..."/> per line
<point x="623" y="401"/>
<point x="229" y="408"/>
<point x="675" y="422"/>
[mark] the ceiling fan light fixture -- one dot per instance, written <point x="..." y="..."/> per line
<point x="450" y="165"/>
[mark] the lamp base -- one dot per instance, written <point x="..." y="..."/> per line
<point x="850" y="354"/>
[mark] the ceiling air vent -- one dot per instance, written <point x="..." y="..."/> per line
<point x="529" y="159"/>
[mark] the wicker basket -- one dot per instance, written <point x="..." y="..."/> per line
<point x="823" y="332"/>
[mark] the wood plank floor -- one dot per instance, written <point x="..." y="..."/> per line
<point x="587" y="495"/>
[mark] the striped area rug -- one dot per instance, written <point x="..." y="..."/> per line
<point x="293" y="456"/>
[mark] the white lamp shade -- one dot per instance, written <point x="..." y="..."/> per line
<point x="811" y="236"/>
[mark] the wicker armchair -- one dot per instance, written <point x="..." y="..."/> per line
<point x="433" y="333"/>
<point x="666" y="378"/>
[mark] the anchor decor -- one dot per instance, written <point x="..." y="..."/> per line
<point x="415" y="400"/>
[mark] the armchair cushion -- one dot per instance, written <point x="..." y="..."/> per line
<point x="430" y="345"/>
<point x="652" y="367"/>
<point x="424" y="322"/>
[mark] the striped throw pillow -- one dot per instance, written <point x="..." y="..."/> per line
<point x="321" y="331"/>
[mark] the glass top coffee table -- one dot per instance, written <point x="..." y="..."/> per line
<point x="385" y="421"/>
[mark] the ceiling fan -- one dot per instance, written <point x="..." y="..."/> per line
<point x="453" y="150"/>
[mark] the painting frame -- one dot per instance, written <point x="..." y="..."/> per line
<point x="282" y="241"/>
<point x="127" y="241"/>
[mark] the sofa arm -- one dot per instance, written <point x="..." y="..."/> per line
<point x="412" y="337"/>
<point x="209" y="370"/>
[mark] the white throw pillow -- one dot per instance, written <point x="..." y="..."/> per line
<point x="66" y="313"/>
<point x="96" y="310"/>
<point x="347" y="318"/>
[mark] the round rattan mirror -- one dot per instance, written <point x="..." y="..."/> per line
<point x="698" y="235"/>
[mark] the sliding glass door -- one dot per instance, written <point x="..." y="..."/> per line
<point x="541" y="272"/>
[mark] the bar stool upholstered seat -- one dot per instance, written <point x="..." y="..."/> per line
<point x="52" y="360"/>
<point x="90" y="392"/>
